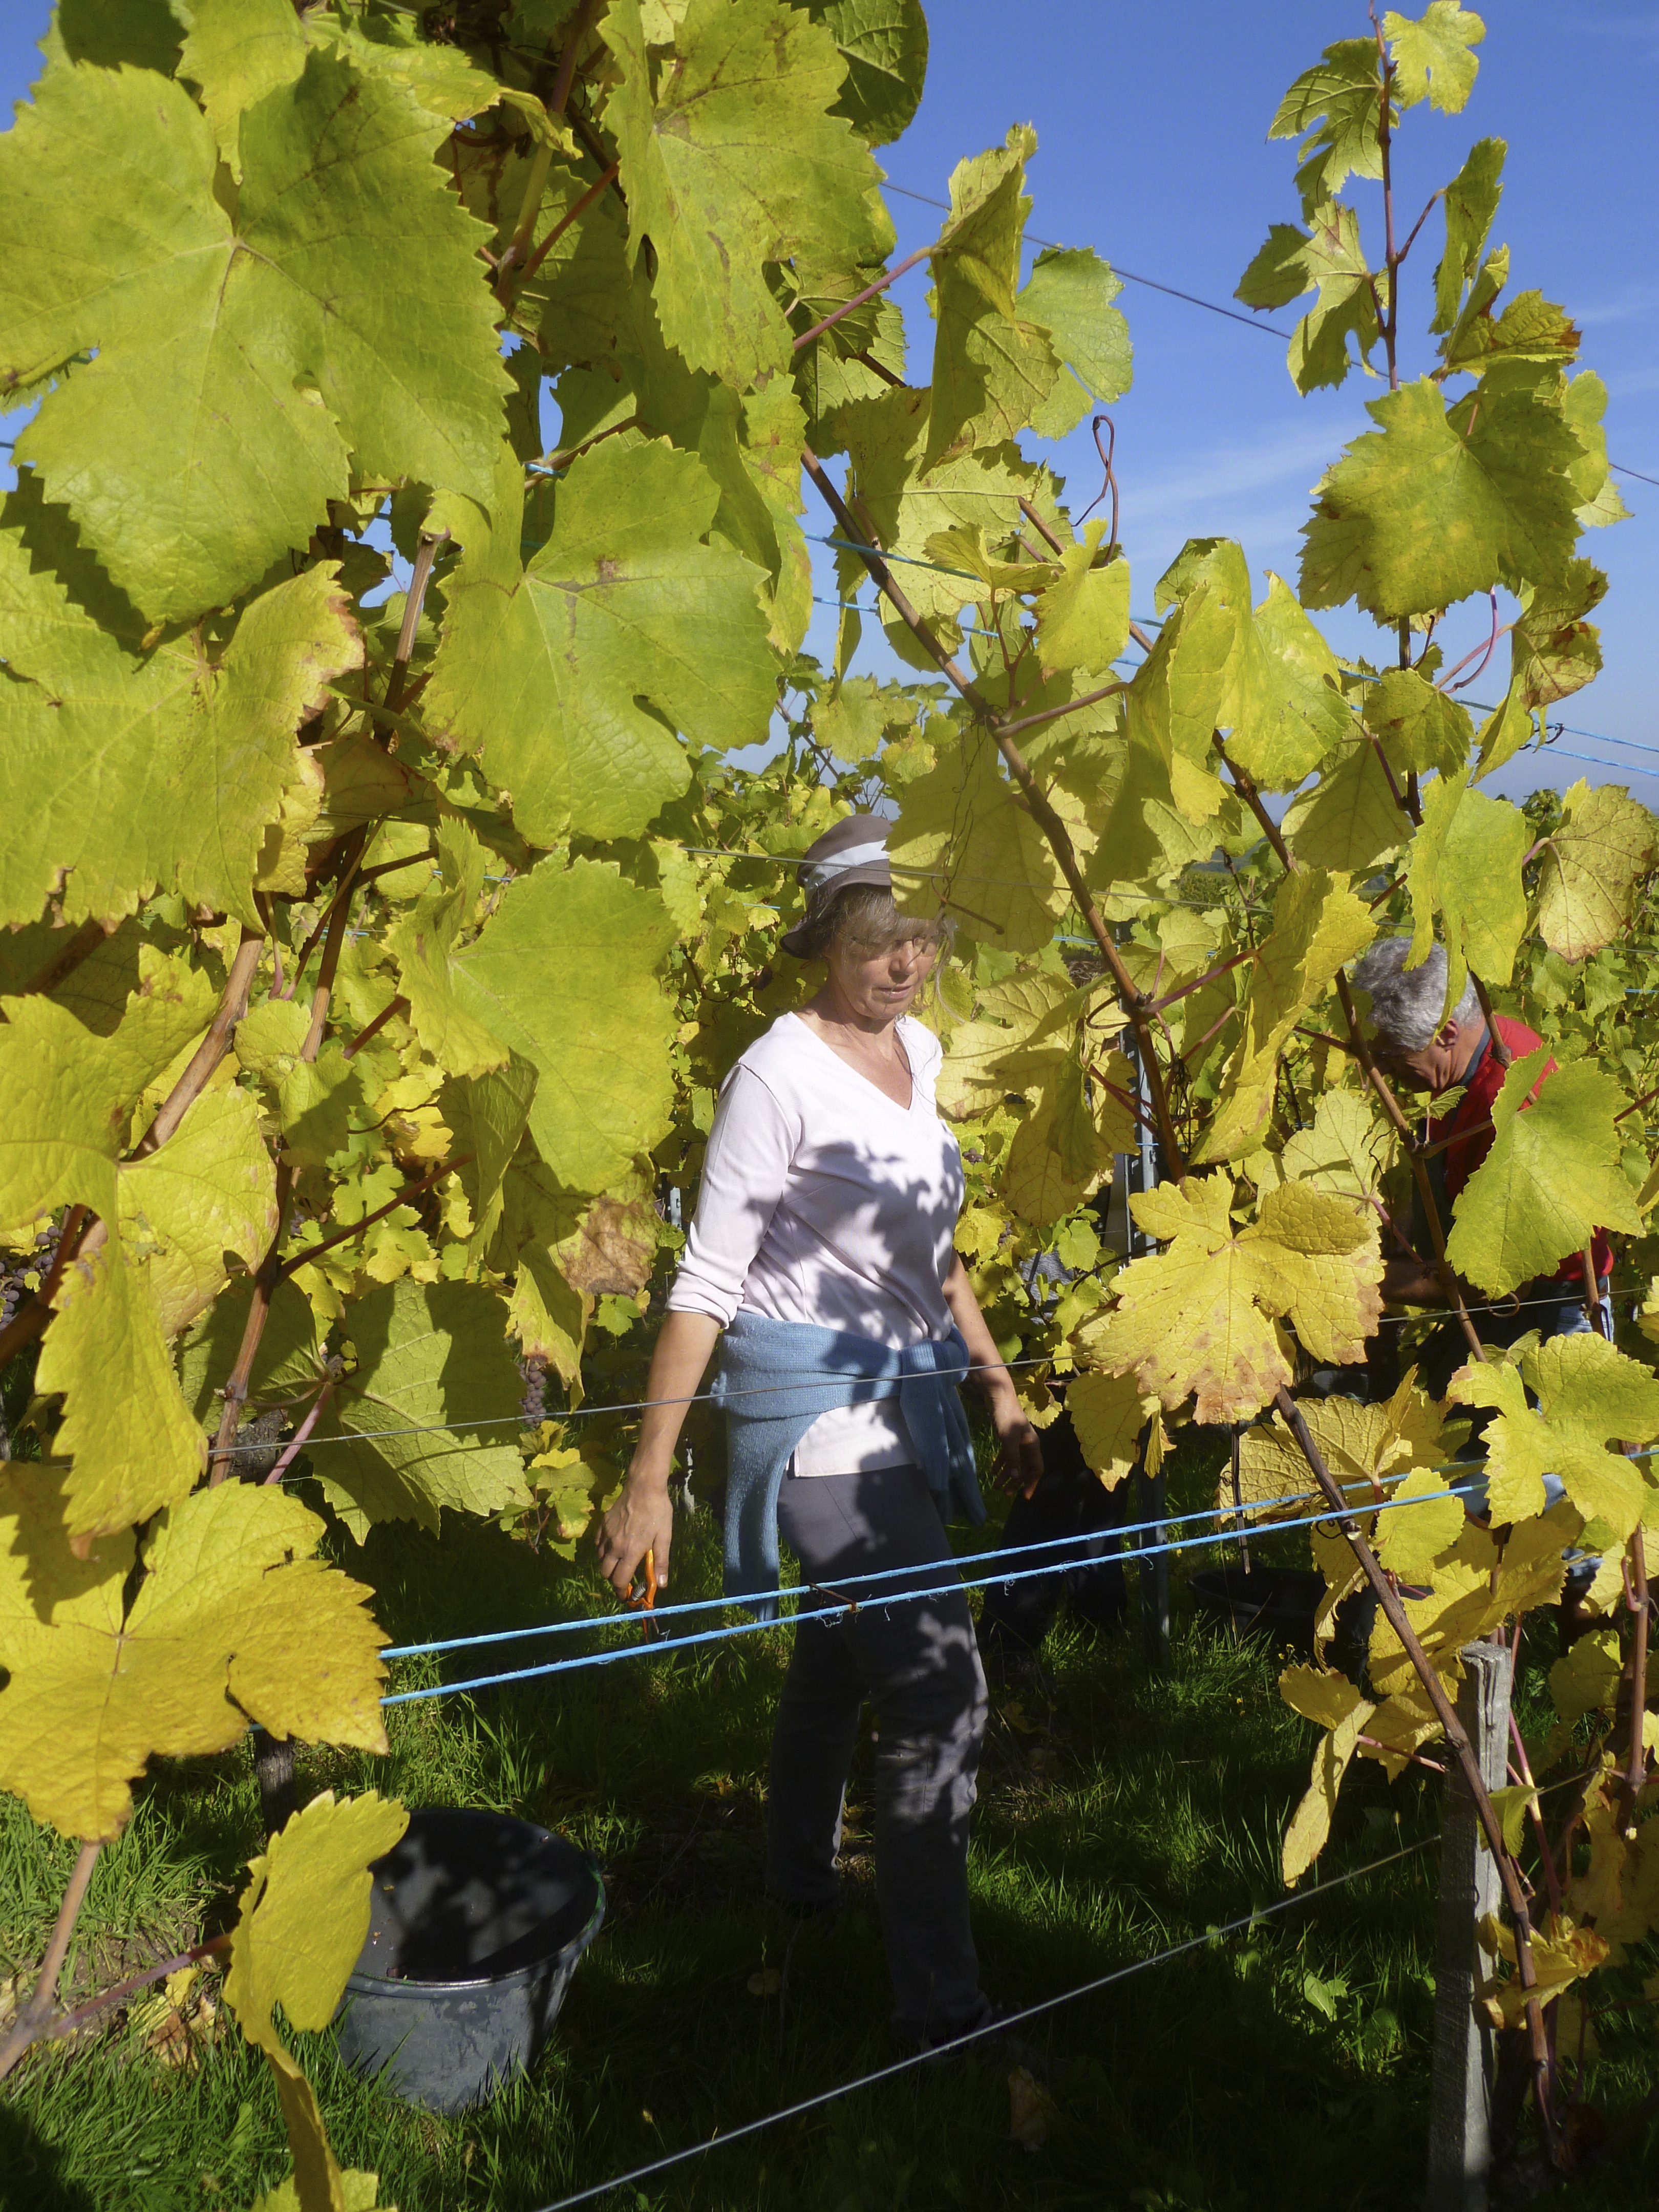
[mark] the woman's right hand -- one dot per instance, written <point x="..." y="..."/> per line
<point x="642" y="1520"/>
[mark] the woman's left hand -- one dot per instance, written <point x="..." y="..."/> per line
<point x="1019" y="1457"/>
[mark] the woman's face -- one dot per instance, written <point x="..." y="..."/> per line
<point x="879" y="986"/>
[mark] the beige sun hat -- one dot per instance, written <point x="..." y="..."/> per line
<point x="854" y="851"/>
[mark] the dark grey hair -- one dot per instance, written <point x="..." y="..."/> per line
<point x="1407" y="1003"/>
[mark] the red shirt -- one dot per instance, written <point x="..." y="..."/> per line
<point x="1464" y="1154"/>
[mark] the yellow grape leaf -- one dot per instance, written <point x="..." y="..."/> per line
<point x="1423" y="1519"/>
<point x="1511" y="1806"/>
<point x="1065" y="1143"/>
<point x="316" y="2184"/>
<point x="1588" y="1392"/>
<point x="964" y="845"/>
<point x="69" y="1094"/>
<point x="1347" y="1152"/>
<point x="1201" y="1318"/>
<point x="1319" y="925"/>
<point x="1561" y="1953"/>
<point x="1596" y="1893"/>
<point x="1360" y="1444"/>
<point x="1311" y="1823"/>
<point x="1109" y="1413"/>
<point x="1587" y="1680"/>
<point x="1031" y="2110"/>
<point x="233" y="1621"/>
<point x="208" y="1190"/>
<point x="1592" y="868"/>
<point x="303" y="1917"/>
<point x="127" y="1431"/>
<point x="1401" y="1724"/>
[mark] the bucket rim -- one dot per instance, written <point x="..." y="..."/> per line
<point x="381" y="1985"/>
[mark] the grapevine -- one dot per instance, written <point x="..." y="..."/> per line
<point x="383" y="908"/>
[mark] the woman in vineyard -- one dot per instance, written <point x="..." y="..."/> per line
<point x="822" y="1247"/>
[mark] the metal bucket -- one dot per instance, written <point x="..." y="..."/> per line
<point x="476" y="1923"/>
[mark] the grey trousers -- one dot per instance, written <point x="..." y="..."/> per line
<point x="917" y="1664"/>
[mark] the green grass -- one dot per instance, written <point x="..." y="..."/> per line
<point x="1282" y="2066"/>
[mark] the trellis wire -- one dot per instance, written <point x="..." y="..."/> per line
<point x="657" y="1645"/>
<point x="993" y="2027"/>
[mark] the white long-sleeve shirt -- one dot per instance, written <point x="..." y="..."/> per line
<point x="825" y="1201"/>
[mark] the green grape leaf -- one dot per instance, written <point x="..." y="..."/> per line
<point x="1531" y="328"/>
<point x="564" y="974"/>
<point x="1277" y="273"/>
<point x="1465" y="867"/>
<point x="991" y="368"/>
<point x="1432" y="56"/>
<point x="1319" y="926"/>
<point x="965" y="846"/>
<point x="239" y="365"/>
<point x="322" y="1105"/>
<point x="1345" y="306"/>
<point x="236" y="51"/>
<point x="1551" y="1180"/>
<point x="885" y="439"/>
<point x="1425" y="510"/>
<point x="1421" y="729"/>
<point x="1083" y="616"/>
<point x="1338" y="103"/>
<point x="234" y="1620"/>
<point x="548" y="1316"/>
<point x="428" y="1354"/>
<point x="1589" y="1396"/>
<point x="1594" y="865"/>
<point x="1472" y="200"/>
<point x="571" y="675"/>
<point x="130" y="774"/>
<point x="1351" y="820"/>
<point x="132" y="1444"/>
<point x="883" y="44"/>
<point x="208" y="1190"/>
<point x="303" y="1919"/>
<point x="424" y="945"/>
<point x="1586" y="403"/>
<point x="437" y="78"/>
<point x="489" y="1115"/>
<point x="1266" y="677"/>
<point x="1108" y="1414"/>
<point x="1423" y="1519"/>
<point x="751" y="447"/>
<point x="70" y="1095"/>
<point x="1069" y="293"/>
<point x="1199" y="1320"/>
<point x="851" y="718"/>
<point x="289" y="1362"/>
<point x="732" y="160"/>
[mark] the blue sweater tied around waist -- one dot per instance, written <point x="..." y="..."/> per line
<point x="775" y="1378"/>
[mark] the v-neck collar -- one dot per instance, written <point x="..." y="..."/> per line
<point x="824" y="1045"/>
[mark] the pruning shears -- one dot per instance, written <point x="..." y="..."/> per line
<point x="645" y="1601"/>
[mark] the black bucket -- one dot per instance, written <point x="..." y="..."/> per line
<point x="1280" y="1603"/>
<point x="476" y="1926"/>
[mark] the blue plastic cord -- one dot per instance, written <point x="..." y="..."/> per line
<point x="887" y="1574"/>
<point x="658" y="1645"/>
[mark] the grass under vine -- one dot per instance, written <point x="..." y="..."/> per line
<point x="1285" y="2066"/>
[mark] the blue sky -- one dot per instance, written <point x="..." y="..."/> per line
<point x="1152" y="125"/>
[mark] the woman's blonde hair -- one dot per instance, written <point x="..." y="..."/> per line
<point x="864" y="918"/>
